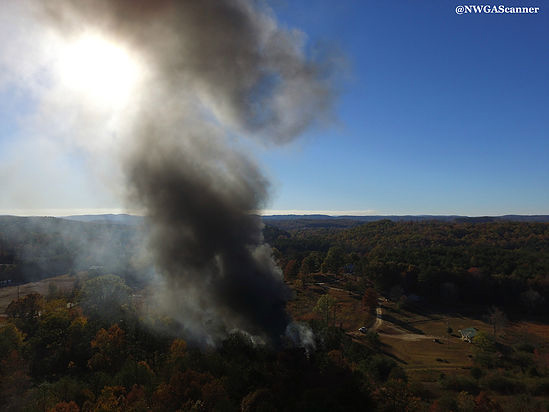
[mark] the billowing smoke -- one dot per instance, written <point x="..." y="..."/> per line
<point x="216" y="69"/>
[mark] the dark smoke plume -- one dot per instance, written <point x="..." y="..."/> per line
<point x="216" y="69"/>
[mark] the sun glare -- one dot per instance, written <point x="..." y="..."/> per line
<point x="102" y="70"/>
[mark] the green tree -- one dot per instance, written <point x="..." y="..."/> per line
<point x="14" y="381"/>
<point x="484" y="342"/>
<point x="11" y="339"/>
<point x="105" y="297"/>
<point x="476" y="373"/>
<point x="49" y="344"/>
<point x="326" y="305"/>
<point x="485" y="348"/>
<point x="25" y="312"/>
<point x="334" y="260"/>
<point x="311" y="263"/>
<point x="79" y="336"/>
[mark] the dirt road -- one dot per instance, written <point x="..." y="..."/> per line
<point x="379" y="320"/>
<point x="395" y="332"/>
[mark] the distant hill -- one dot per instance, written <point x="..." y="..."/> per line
<point x="288" y="222"/>
<point x="122" y="219"/>
<point x="34" y="248"/>
<point x="326" y="221"/>
<point x="330" y="221"/>
<point x="415" y="218"/>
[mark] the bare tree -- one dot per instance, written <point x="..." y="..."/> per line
<point x="496" y="318"/>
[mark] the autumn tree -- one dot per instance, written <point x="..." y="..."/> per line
<point x="112" y="398"/>
<point x="178" y="350"/>
<point x="396" y="395"/>
<point x="483" y="403"/>
<point x="465" y="402"/>
<point x="65" y="407"/>
<point x="109" y="346"/>
<point x="186" y="388"/>
<point x="291" y="269"/>
<point x="259" y="400"/>
<point x="136" y="399"/>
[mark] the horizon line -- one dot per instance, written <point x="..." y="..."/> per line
<point x="264" y="212"/>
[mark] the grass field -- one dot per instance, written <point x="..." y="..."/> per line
<point x="349" y="314"/>
<point x="61" y="283"/>
<point x="420" y="342"/>
<point x="415" y="337"/>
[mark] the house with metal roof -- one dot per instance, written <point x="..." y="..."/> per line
<point x="468" y="334"/>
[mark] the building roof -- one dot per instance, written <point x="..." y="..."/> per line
<point x="469" y="332"/>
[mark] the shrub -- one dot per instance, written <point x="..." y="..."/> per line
<point x="476" y="373"/>
<point x="379" y="367"/>
<point x="522" y="359"/>
<point x="460" y="383"/>
<point x="524" y="347"/>
<point x="503" y="384"/>
<point x="398" y="373"/>
<point x="419" y="390"/>
<point x="540" y="387"/>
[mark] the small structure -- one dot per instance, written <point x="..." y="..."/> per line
<point x="468" y="334"/>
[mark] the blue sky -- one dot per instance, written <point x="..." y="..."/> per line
<point x="437" y="113"/>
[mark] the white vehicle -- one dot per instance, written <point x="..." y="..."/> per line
<point x="363" y="329"/>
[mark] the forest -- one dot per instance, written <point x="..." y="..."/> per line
<point x="93" y="347"/>
<point x="498" y="263"/>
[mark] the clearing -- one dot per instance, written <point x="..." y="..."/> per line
<point x="61" y="283"/>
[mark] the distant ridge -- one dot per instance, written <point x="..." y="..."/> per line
<point x="416" y="218"/>
<point x="121" y="219"/>
<point x="332" y="221"/>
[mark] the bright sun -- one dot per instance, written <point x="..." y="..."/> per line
<point x="102" y="70"/>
